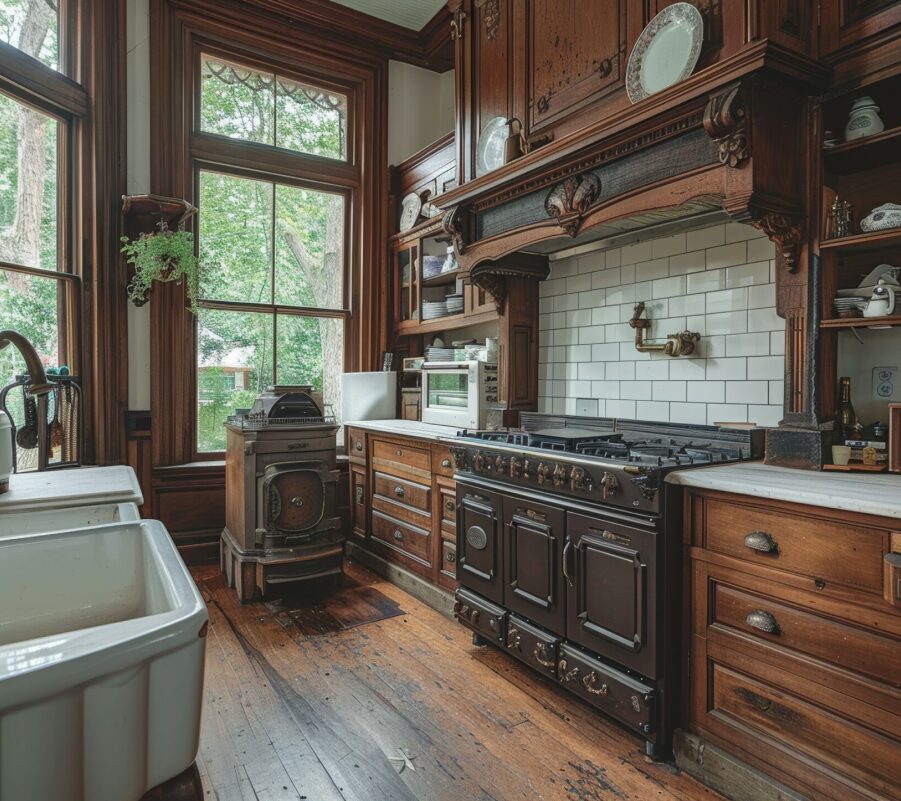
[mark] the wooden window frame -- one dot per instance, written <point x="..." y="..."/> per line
<point x="179" y="33"/>
<point x="87" y="96"/>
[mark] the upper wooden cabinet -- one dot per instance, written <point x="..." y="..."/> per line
<point x="558" y="66"/>
<point x="846" y="23"/>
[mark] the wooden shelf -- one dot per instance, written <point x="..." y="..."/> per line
<point x="858" y="242"/>
<point x="864" y="154"/>
<point x="861" y="322"/>
<point x="442" y="279"/>
<point x="449" y="323"/>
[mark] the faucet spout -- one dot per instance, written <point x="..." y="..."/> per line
<point x="37" y="384"/>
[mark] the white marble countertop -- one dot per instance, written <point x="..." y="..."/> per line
<point x="407" y="428"/>
<point x="869" y="493"/>
<point x="77" y="486"/>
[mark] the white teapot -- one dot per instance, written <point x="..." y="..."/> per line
<point x="881" y="302"/>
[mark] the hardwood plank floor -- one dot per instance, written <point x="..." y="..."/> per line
<point x="295" y="711"/>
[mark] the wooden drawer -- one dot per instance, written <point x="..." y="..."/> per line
<point x="449" y="558"/>
<point x="359" y="512"/>
<point x="838" y="757"/>
<point x="399" y="490"/>
<point x="823" y="548"/>
<point x="735" y="609"/>
<point x="442" y="461"/>
<point x="448" y="511"/>
<point x="356" y="444"/>
<point x="401" y="457"/>
<point x="400" y="536"/>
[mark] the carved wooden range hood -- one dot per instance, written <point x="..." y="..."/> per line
<point x="729" y="138"/>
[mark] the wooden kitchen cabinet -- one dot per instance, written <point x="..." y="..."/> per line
<point x="408" y="511"/>
<point x="846" y="23"/>
<point x="793" y="647"/>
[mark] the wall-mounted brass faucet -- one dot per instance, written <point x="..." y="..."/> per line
<point x="681" y="344"/>
<point x="37" y="379"/>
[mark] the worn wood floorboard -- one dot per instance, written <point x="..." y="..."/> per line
<point x="320" y="716"/>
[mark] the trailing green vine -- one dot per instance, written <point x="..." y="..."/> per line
<point x="163" y="255"/>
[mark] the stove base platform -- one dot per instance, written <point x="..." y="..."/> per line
<point x="256" y="574"/>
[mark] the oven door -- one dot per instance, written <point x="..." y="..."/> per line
<point x="479" y="541"/>
<point x="533" y="578"/>
<point x="297" y="500"/>
<point x="450" y="396"/>
<point x="611" y="578"/>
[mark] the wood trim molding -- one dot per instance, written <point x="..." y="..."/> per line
<point x="41" y="83"/>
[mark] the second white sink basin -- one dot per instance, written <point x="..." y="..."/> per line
<point x="47" y="520"/>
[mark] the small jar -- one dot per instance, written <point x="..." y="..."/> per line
<point x="864" y="119"/>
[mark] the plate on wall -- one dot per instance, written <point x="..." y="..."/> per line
<point x="411" y="205"/>
<point x="492" y="141"/>
<point x="666" y="52"/>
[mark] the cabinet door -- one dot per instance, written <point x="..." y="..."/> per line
<point x="359" y="512"/>
<point x="611" y="591"/>
<point x="406" y="278"/>
<point x="533" y="578"/>
<point x="479" y="541"/>
<point x="477" y="300"/>
<point x="575" y="55"/>
<point x="846" y="22"/>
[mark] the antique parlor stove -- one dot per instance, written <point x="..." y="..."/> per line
<point x="281" y="524"/>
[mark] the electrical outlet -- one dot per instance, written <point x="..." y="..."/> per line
<point x="884" y="382"/>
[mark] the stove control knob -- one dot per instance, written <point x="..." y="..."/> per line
<point x="560" y="475"/>
<point x="500" y="465"/>
<point x="526" y="466"/>
<point x="609" y="485"/>
<point x="478" y="462"/>
<point x="542" y="473"/>
<point x="515" y="467"/>
<point x="577" y="480"/>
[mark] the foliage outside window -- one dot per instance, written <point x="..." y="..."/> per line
<point x="272" y="306"/>
<point x="34" y="296"/>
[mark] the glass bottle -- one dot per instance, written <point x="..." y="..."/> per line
<point x="846" y="418"/>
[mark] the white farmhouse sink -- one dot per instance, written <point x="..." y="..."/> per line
<point x="47" y="520"/>
<point x="102" y="641"/>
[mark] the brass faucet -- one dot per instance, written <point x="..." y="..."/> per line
<point x="37" y="383"/>
<point x="681" y="344"/>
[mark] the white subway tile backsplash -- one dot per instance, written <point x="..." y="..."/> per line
<point x="718" y="281"/>
<point x="747" y="392"/>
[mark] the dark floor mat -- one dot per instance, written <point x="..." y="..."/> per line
<point x="318" y="610"/>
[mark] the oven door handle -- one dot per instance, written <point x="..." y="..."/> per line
<point x="565" y="562"/>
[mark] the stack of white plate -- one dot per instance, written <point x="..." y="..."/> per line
<point x="432" y="309"/>
<point x="454" y="304"/>
<point x="848" y="307"/>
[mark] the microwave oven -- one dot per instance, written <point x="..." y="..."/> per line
<point x="458" y="393"/>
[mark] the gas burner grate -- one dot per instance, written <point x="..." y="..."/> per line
<point x="503" y="437"/>
<point x="259" y="420"/>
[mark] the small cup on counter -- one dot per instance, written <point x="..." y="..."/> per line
<point x="841" y="454"/>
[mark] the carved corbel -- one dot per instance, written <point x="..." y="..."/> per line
<point x="783" y="230"/>
<point x="450" y="225"/>
<point x="570" y="200"/>
<point x="492" y="276"/>
<point x="726" y="122"/>
<point x="491" y="14"/>
<point x="494" y="285"/>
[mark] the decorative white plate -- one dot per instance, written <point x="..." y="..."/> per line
<point x="666" y="51"/>
<point x="492" y="141"/>
<point x="411" y="205"/>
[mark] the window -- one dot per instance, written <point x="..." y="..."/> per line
<point x="36" y="287"/>
<point x="272" y="245"/>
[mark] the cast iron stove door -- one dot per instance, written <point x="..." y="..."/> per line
<point x="610" y="587"/>
<point x="533" y="580"/>
<point x="296" y="498"/>
<point x="479" y="542"/>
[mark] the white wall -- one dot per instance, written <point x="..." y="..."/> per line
<point x="137" y="81"/>
<point x="718" y="281"/>
<point x="858" y="358"/>
<point x="420" y="108"/>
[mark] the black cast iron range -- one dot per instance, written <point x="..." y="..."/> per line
<point x="569" y="553"/>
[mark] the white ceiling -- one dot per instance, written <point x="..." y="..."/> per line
<point x="413" y="14"/>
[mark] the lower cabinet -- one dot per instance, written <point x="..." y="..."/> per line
<point x="795" y="655"/>
<point x="403" y="503"/>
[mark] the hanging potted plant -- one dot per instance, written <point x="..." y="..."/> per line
<point x="163" y="255"/>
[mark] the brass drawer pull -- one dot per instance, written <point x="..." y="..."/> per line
<point x="761" y="541"/>
<point x="358" y="494"/>
<point x="398" y="535"/>
<point x="541" y="655"/>
<point x="445" y="463"/>
<point x="763" y="621"/>
<point x="450" y="506"/>
<point x="398" y="452"/>
<point x="399" y="491"/>
<point x="451" y="557"/>
<point x="565" y="672"/>
<point x="513" y="638"/>
<point x="591" y="684"/>
<point x="358" y="445"/>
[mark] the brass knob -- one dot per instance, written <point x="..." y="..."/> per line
<point x="445" y="463"/>
<point x="450" y="506"/>
<point x="398" y="452"/>
<point x="358" y="445"/>
<point x="297" y="501"/>
<point x="399" y="491"/>
<point x="398" y="535"/>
